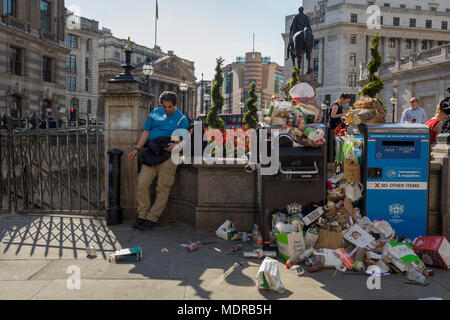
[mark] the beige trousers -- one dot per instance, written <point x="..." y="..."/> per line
<point x="166" y="178"/>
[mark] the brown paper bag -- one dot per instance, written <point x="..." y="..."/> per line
<point x="352" y="171"/>
<point x="329" y="239"/>
<point x="348" y="207"/>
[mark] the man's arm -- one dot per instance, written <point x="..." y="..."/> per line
<point x="141" y="143"/>
<point x="404" y="117"/>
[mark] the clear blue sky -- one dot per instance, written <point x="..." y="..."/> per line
<point x="198" y="30"/>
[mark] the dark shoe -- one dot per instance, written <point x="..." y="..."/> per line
<point x="138" y="223"/>
<point x="147" y="225"/>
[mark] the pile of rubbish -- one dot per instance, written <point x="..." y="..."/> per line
<point x="296" y="116"/>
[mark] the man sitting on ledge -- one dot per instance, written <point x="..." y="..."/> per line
<point x="160" y="125"/>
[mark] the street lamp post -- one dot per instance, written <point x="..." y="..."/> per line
<point x="207" y="98"/>
<point x="394" y="102"/>
<point x="183" y="88"/>
<point x="147" y="70"/>
<point x="324" y="108"/>
<point x="242" y="106"/>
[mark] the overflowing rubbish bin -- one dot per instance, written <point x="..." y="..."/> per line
<point x="301" y="178"/>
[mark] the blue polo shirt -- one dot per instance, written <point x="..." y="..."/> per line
<point x="161" y="125"/>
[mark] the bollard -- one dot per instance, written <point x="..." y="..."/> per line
<point x="114" y="212"/>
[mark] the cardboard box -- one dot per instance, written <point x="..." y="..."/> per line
<point x="433" y="251"/>
<point x="126" y="255"/>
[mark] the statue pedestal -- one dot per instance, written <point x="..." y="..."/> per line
<point x="303" y="78"/>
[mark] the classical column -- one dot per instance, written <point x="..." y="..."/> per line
<point x="321" y="61"/>
<point x="398" y="44"/>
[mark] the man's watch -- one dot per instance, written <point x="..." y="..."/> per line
<point x="137" y="149"/>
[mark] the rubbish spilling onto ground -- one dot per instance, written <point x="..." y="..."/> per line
<point x="91" y="251"/>
<point x="126" y="255"/>
<point x="269" y="276"/>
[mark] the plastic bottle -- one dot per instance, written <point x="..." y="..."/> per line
<point x="259" y="240"/>
<point x="192" y="247"/>
<point x="255" y="231"/>
<point x="415" y="276"/>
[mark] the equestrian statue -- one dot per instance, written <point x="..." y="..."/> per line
<point x="301" y="40"/>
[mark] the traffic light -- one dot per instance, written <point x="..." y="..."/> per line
<point x="73" y="114"/>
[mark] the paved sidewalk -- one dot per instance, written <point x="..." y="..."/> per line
<point x="36" y="251"/>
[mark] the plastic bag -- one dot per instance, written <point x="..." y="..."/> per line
<point x="269" y="276"/>
<point x="353" y="191"/>
<point x="382" y="228"/>
<point x="226" y="230"/>
<point x="402" y="256"/>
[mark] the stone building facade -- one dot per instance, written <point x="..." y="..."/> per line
<point x="268" y="75"/>
<point x="202" y="89"/>
<point x="425" y="76"/>
<point x="82" y="37"/>
<point x="32" y="56"/>
<point x="342" y="37"/>
<point x="168" y="69"/>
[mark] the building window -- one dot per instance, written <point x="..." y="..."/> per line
<point x="316" y="45"/>
<point x="352" y="59"/>
<point x="46" y="13"/>
<point x="88" y="45"/>
<point x="434" y="9"/>
<point x="412" y="23"/>
<point x="86" y="66"/>
<point x="381" y="20"/>
<point x="15" y="61"/>
<point x="354" y="18"/>
<point x="353" y="39"/>
<point x="387" y="5"/>
<point x="117" y="54"/>
<point x="279" y="81"/>
<point x="408" y="44"/>
<point x="89" y="107"/>
<point x="424" y="45"/>
<point x="47" y="69"/>
<point x="391" y="43"/>
<point x="403" y="6"/>
<point x="316" y="65"/>
<point x="429" y="24"/>
<point x="229" y="83"/>
<point x="71" y="63"/>
<point x="323" y="6"/>
<point x="444" y="25"/>
<point x="447" y="10"/>
<point x="352" y="79"/>
<point x="10" y="7"/>
<point x="396" y="21"/>
<point x="418" y="8"/>
<point x="71" y="84"/>
<point x="16" y="107"/>
<point x="86" y="85"/>
<point x="71" y="41"/>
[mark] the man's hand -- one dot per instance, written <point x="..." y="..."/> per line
<point x="133" y="155"/>
<point x="170" y="147"/>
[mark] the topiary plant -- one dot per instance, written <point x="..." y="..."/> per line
<point x="213" y="119"/>
<point x="376" y="84"/>
<point x="250" y="116"/>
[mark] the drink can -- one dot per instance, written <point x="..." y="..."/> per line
<point x="358" y="266"/>
<point x="428" y="272"/>
<point x="309" y="262"/>
<point x="270" y="254"/>
<point x="251" y="255"/>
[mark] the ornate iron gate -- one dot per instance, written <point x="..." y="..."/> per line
<point x="52" y="165"/>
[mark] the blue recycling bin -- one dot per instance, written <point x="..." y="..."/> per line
<point x="395" y="174"/>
